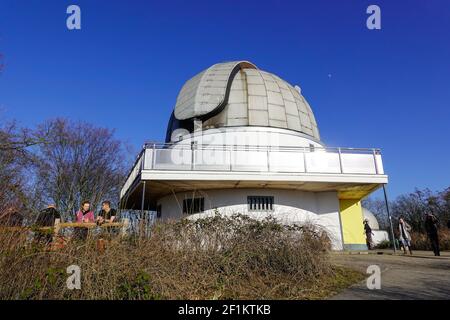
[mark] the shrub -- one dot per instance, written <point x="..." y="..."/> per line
<point x="212" y="258"/>
<point x="420" y="240"/>
<point x="384" y="244"/>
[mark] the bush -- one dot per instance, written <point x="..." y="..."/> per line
<point x="420" y="240"/>
<point x="212" y="258"/>
<point x="385" y="244"/>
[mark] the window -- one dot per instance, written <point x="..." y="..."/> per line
<point x="260" y="203"/>
<point x="311" y="147"/>
<point x="195" y="205"/>
<point x="158" y="211"/>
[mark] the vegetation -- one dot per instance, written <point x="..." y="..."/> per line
<point x="61" y="162"/>
<point x="212" y="258"/>
<point x="413" y="207"/>
<point x="15" y="160"/>
<point x="79" y="162"/>
<point x="65" y="162"/>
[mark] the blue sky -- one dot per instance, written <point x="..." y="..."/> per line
<point x="387" y="88"/>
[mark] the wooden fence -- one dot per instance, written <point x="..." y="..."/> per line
<point x="58" y="225"/>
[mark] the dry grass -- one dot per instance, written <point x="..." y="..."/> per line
<point x="213" y="258"/>
<point x="420" y="241"/>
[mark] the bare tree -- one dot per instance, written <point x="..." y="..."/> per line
<point x="79" y="162"/>
<point x="412" y="207"/>
<point x="378" y="208"/>
<point x="445" y="204"/>
<point x="15" y="161"/>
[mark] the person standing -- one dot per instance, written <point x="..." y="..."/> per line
<point x="404" y="230"/>
<point x="369" y="233"/>
<point x="46" y="218"/>
<point x="431" y="226"/>
<point x="84" y="215"/>
<point x="107" y="215"/>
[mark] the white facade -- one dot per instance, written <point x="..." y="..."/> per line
<point x="250" y="136"/>
<point x="237" y="131"/>
<point x="379" y="236"/>
<point x="290" y="207"/>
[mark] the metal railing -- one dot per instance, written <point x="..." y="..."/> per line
<point x="252" y="158"/>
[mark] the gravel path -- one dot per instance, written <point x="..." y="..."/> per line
<point x="421" y="276"/>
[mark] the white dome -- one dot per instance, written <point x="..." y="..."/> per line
<point x="373" y="222"/>
<point x="238" y="94"/>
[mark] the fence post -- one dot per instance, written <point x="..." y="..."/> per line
<point x="123" y="230"/>
<point x="56" y="228"/>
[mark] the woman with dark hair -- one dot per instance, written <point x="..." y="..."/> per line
<point x="84" y="215"/>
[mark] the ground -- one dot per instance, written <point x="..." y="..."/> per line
<point x="404" y="277"/>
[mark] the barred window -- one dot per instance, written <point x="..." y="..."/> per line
<point x="260" y="203"/>
<point x="195" y="205"/>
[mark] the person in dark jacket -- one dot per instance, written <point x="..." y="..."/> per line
<point x="369" y="233"/>
<point x="46" y="218"/>
<point x="431" y="226"/>
<point x="107" y="215"/>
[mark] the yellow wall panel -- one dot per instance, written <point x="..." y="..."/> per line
<point x="352" y="223"/>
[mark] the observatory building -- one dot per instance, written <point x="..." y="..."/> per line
<point x="243" y="140"/>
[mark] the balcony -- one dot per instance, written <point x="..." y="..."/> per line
<point x="221" y="163"/>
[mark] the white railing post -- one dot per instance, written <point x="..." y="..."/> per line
<point x="304" y="160"/>
<point x="340" y="160"/>
<point x="143" y="158"/>
<point x="231" y="157"/>
<point x="192" y="155"/>
<point x="154" y="156"/>
<point x="375" y="161"/>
